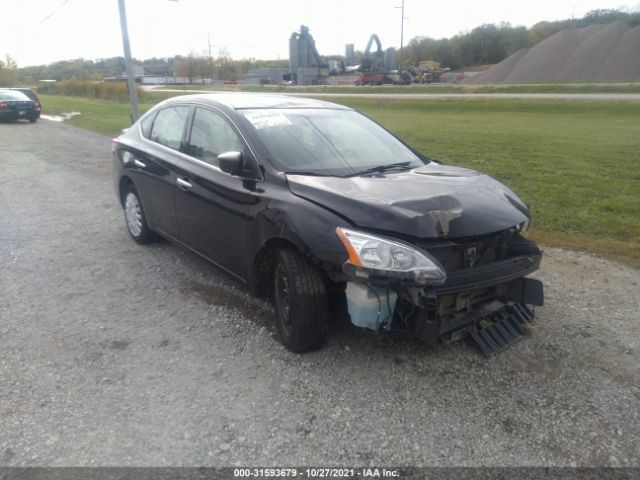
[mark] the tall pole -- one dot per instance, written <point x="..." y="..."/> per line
<point x="210" y="58"/>
<point x="401" y="35"/>
<point x="131" y="81"/>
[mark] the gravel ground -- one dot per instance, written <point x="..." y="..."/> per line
<point x="117" y="354"/>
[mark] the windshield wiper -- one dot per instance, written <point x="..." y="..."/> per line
<point x="383" y="168"/>
<point x="311" y="173"/>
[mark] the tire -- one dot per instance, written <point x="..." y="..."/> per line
<point x="301" y="301"/>
<point x="135" y="219"/>
<point x="33" y="120"/>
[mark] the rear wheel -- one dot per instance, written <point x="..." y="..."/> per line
<point x="135" y="218"/>
<point x="300" y="297"/>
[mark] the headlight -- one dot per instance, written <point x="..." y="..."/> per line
<point x="379" y="254"/>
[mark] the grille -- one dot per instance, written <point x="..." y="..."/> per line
<point x="466" y="254"/>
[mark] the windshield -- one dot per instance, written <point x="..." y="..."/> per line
<point x="327" y="142"/>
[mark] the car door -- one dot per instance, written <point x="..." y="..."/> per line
<point x="154" y="166"/>
<point x="214" y="208"/>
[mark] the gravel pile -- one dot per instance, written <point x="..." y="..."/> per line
<point x="589" y="54"/>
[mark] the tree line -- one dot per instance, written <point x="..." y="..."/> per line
<point x="191" y="66"/>
<point x="8" y="72"/>
<point x="490" y="43"/>
<point x="486" y="44"/>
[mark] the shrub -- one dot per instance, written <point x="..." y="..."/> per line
<point x="89" y="88"/>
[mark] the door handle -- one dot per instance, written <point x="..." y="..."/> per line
<point x="138" y="163"/>
<point x="183" y="183"/>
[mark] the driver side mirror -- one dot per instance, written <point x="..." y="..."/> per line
<point x="231" y="162"/>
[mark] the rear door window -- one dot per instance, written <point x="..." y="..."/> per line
<point x="168" y="126"/>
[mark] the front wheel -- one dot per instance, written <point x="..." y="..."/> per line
<point x="300" y="297"/>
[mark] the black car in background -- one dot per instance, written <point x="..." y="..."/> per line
<point x="321" y="209"/>
<point x="15" y="105"/>
<point x="29" y="93"/>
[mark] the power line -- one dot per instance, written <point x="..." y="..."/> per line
<point x="64" y="2"/>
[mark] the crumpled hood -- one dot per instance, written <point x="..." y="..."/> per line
<point x="434" y="201"/>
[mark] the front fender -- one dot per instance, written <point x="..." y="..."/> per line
<point x="307" y="226"/>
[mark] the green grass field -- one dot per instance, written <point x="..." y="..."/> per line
<point x="102" y="116"/>
<point x="576" y="163"/>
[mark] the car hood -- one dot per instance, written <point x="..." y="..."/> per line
<point x="433" y="201"/>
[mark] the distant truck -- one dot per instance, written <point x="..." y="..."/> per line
<point x="370" y="78"/>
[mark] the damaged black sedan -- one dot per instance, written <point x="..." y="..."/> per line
<point x="316" y="206"/>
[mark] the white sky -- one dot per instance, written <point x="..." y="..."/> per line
<point x="259" y="29"/>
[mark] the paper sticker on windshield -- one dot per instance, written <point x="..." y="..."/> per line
<point x="267" y="119"/>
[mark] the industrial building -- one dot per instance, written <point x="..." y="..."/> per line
<point x="265" y="76"/>
<point x="306" y="67"/>
<point x="350" y="52"/>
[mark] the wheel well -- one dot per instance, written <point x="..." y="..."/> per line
<point x="122" y="187"/>
<point x="262" y="274"/>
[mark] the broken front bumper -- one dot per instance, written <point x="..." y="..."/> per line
<point x="488" y="303"/>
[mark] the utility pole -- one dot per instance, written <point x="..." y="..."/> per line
<point x="402" y="18"/>
<point x="401" y="35"/>
<point x="210" y="58"/>
<point x="131" y="81"/>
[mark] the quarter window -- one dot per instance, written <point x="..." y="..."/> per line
<point x="145" y="124"/>
<point x="211" y="135"/>
<point x="168" y="126"/>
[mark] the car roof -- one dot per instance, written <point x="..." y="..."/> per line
<point x="245" y="100"/>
